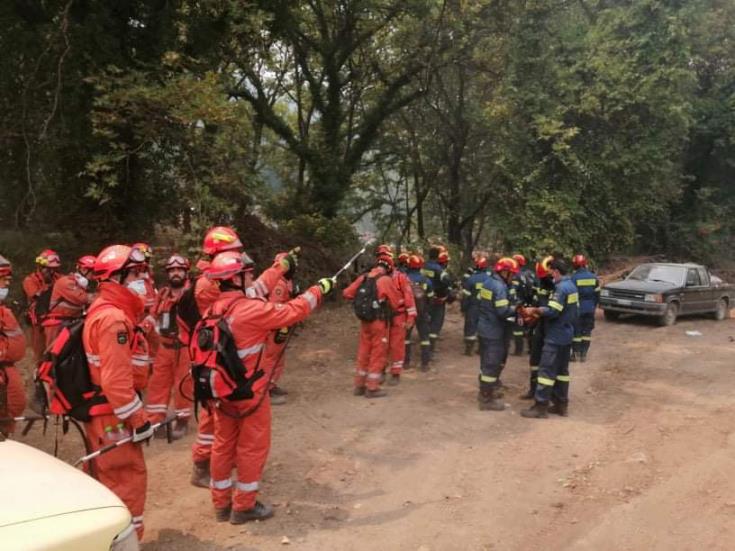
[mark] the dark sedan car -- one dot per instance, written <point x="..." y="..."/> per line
<point x="667" y="291"/>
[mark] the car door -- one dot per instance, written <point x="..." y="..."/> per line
<point x="709" y="294"/>
<point x="692" y="299"/>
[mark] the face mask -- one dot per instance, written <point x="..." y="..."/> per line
<point x="4" y="294"/>
<point x="137" y="286"/>
<point x="82" y="281"/>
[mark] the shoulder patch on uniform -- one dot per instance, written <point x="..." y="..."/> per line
<point x="122" y="337"/>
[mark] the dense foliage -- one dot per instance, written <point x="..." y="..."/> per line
<point x="603" y="126"/>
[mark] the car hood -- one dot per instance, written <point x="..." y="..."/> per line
<point x="641" y="286"/>
<point x="36" y="485"/>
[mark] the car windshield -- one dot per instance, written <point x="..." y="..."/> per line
<point x="673" y="275"/>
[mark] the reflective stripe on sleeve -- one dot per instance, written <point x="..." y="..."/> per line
<point x="572" y="298"/>
<point x="555" y="305"/>
<point x="502" y="302"/>
<point x="485" y="294"/>
<point x="586" y="282"/>
<point x="14" y="332"/>
<point x="412" y="311"/>
<point x="311" y="299"/>
<point x="249" y="351"/>
<point x="466" y="293"/>
<point x="125" y="411"/>
<point x="93" y="358"/>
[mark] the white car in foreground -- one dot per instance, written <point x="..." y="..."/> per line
<point x="48" y="505"/>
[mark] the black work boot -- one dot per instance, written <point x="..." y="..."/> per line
<point x="424" y="368"/>
<point x="573" y="357"/>
<point x="377" y="393"/>
<point x="468" y="347"/>
<point x="432" y="340"/>
<point x="394" y="380"/>
<point x="559" y="408"/>
<point x="200" y="474"/>
<point x="536" y="411"/>
<point x="489" y="401"/>
<point x="223" y="515"/>
<point x="259" y="512"/>
<point x="358" y="391"/>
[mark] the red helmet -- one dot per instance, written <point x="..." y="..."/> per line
<point x="481" y="262"/>
<point x="415" y="262"/>
<point x="403" y="259"/>
<point x="579" y="261"/>
<point x="5" y="268"/>
<point x="520" y="259"/>
<point x="48" y="259"/>
<point x="115" y="258"/>
<point x="443" y="257"/>
<point x="384" y="249"/>
<point x="507" y="264"/>
<point x="86" y="262"/>
<point x="542" y="268"/>
<point x="228" y="264"/>
<point x="178" y="261"/>
<point x="220" y="239"/>
<point x="145" y="248"/>
<point x="386" y="260"/>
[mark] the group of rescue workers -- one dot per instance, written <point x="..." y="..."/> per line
<point x="218" y="340"/>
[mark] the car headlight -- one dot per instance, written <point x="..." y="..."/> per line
<point x="127" y="540"/>
<point x="604" y="293"/>
<point x="653" y="298"/>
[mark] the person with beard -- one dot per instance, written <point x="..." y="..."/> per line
<point x="37" y="288"/>
<point x="171" y="363"/>
<point x="117" y="356"/>
<point x="69" y="299"/>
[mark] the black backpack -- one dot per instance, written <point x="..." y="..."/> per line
<point x="366" y="305"/>
<point x="64" y="372"/>
<point x="42" y="304"/>
<point x="216" y="369"/>
<point x="187" y="313"/>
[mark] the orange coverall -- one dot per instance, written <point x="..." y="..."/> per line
<point x="12" y="349"/>
<point x="118" y="361"/>
<point x="34" y="285"/>
<point x="403" y="319"/>
<point x="242" y="428"/>
<point x="373" y="348"/>
<point x="273" y="356"/>
<point x="68" y="300"/>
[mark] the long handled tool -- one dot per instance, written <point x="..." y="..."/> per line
<point x="351" y="260"/>
<point x="108" y="448"/>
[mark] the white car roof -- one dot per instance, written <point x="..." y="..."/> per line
<point x="37" y="485"/>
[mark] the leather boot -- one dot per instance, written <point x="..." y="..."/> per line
<point x="377" y="393"/>
<point x="536" y="411"/>
<point x="559" y="408"/>
<point x="200" y="474"/>
<point x="394" y="379"/>
<point x="358" y="391"/>
<point x="468" y="347"/>
<point x="489" y="401"/>
<point x="223" y="515"/>
<point x="259" y="512"/>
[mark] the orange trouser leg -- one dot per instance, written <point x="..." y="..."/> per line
<point x="38" y="342"/>
<point x="183" y="387"/>
<point x="122" y="470"/>
<point x="274" y="358"/>
<point x="397" y="343"/>
<point x="160" y="384"/>
<point x="201" y="450"/>
<point x="378" y="338"/>
<point x="15" y="396"/>
<point x="363" y="355"/>
<point x="50" y="332"/>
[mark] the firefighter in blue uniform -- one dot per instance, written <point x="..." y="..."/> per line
<point x="542" y="289"/>
<point x="471" y="302"/>
<point x="492" y="327"/>
<point x="436" y="270"/>
<point x="588" y="287"/>
<point x="523" y="285"/>
<point x="422" y="293"/>
<point x="561" y="314"/>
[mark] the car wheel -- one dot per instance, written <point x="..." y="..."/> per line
<point x="723" y="311"/>
<point x="611" y="316"/>
<point x="669" y="317"/>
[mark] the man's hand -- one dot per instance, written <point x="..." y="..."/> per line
<point x="326" y="285"/>
<point x="143" y="432"/>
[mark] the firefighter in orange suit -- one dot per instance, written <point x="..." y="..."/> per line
<point x="118" y="361"/>
<point x="373" y="348"/>
<point x="12" y="349"/>
<point x="171" y="363"/>
<point x="35" y="287"/>
<point x="69" y="299"/>
<point x="242" y="426"/>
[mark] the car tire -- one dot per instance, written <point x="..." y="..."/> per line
<point x="670" y="314"/>
<point x="610" y="315"/>
<point x="723" y="311"/>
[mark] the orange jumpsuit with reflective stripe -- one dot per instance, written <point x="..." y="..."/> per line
<point x="242" y="428"/>
<point x="68" y="300"/>
<point x="206" y="293"/>
<point x="12" y="349"/>
<point x="171" y="364"/>
<point x="274" y="359"/>
<point x="373" y="348"/>
<point x="404" y="317"/>
<point x="118" y="363"/>
<point x="33" y="285"/>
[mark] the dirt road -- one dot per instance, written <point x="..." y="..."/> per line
<point x="644" y="461"/>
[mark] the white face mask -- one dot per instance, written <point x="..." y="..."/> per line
<point x="137" y="286"/>
<point x="82" y="281"/>
<point x="4" y="294"/>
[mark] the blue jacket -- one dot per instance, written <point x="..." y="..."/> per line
<point x="471" y="288"/>
<point x="561" y="313"/>
<point x="588" y="287"/>
<point x="439" y="278"/>
<point x="417" y="277"/>
<point x="494" y="309"/>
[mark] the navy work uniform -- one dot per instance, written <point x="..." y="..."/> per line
<point x="492" y="327"/>
<point x="471" y="287"/>
<point x="441" y="283"/>
<point x="423" y="294"/>
<point x="588" y="287"/>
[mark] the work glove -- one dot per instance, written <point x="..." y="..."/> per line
<point x="290" y="261"/>
<point x="326" y="284"/>
<point x="143" y="432"/>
